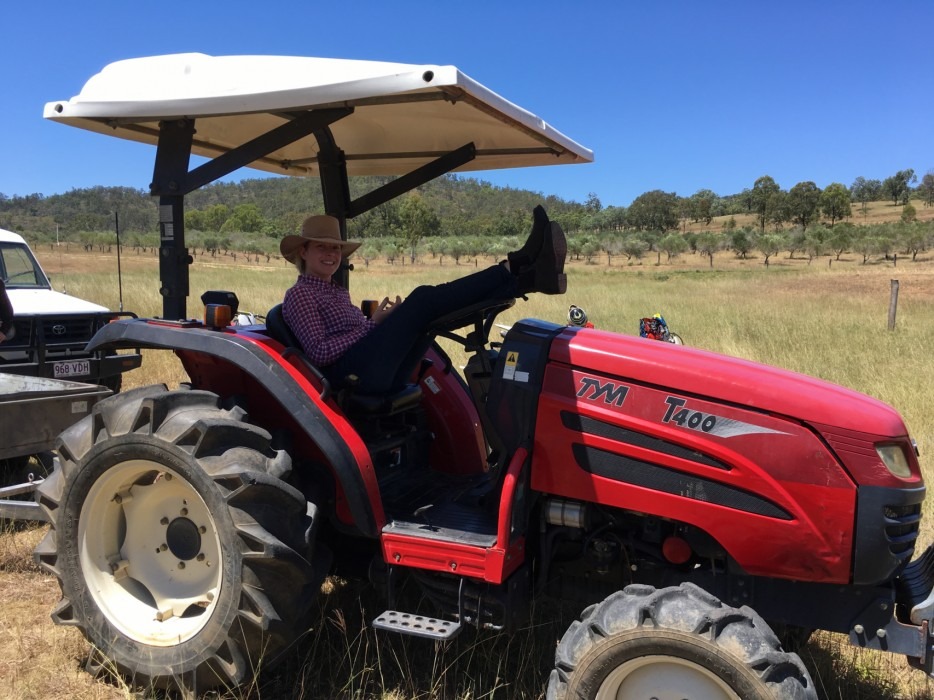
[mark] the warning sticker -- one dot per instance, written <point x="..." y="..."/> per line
<point x="509" y="369"/>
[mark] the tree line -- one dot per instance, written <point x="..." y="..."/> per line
<point x="454" y="217"/>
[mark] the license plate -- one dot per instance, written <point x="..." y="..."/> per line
<point x="71" y="368"/>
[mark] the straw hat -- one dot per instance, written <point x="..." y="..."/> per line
<point x="317" y="229"/>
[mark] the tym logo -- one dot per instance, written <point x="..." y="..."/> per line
<point x="591" y="389"/>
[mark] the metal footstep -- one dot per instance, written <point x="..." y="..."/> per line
<point x="417" y="625"/>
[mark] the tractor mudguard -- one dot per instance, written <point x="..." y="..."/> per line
<point x="231" y="363"/>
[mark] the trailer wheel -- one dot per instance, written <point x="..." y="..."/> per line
<point x="181" y="553"/>
<point x="676" y="642"/>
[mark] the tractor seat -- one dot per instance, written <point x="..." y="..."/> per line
<point x="351" y="401"/>
<point x="279" y="330"/>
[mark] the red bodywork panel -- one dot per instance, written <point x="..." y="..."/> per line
<point x="709" y="440"/>
<point x="459" y="446"/>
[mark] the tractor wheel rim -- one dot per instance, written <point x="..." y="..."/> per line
<point x="663" y="678"/>
<point x="150" y="553"/>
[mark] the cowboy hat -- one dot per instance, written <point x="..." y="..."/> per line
<point x="317" y="229"/>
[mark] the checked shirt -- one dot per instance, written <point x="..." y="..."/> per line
<point x="323" y="318"/>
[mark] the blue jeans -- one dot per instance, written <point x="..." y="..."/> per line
<point x="385" y="359"/>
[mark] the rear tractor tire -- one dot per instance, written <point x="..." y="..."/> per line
<point x="182" y="555"/>
<point x="674" y="643"/>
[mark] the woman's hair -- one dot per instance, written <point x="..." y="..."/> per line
<point x="299" y="261"/>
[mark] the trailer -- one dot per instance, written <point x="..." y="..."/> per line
<point x="33" y="411"/>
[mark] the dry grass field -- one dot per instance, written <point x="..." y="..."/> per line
<point x="827" y="320"/>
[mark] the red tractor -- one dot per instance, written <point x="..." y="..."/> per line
<point x="694" y="504"/>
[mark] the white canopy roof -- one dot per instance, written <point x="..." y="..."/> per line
<point x="404" y="115"/>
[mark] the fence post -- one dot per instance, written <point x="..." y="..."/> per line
<point x="893" y="304"/>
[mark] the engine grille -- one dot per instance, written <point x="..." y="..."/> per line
<point x="887" y="524"/>
<point x="901" y="529"/>
<point x="62" y="331"/>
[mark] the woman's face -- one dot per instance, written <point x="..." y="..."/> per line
<point x="321" y="259"/>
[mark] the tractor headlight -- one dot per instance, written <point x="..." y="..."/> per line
<point x="893" y="456"/>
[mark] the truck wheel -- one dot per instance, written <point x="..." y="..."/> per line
<point x="673" y="643"/>
<point x="181" y="554"/>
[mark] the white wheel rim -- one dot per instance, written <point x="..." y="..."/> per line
<point x="150" y="553"/>
<point x="663" y="678"/>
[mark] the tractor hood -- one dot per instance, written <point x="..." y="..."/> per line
<point x="716" y="377"/>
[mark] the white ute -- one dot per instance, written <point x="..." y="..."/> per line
<point x="52" y="329"/>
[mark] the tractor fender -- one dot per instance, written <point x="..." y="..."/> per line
<point x="269" y="370"/>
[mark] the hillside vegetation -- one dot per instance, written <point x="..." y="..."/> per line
<point x="458" y="217"/>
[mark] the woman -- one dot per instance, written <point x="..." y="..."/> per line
<point x="382" y="352"/>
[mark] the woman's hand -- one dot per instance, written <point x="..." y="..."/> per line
<point x="385" y="308"/>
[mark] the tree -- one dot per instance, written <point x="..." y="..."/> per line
<point x="655" y="210"/>
<point x="769" y="244"/>
<point x="867" y="244"/>
<point x="926" y="189"/>
<point x="611" y="245"/>
<point x="865" y="191"/>
<point x="633" y="247"/>
<point x="803" y="203"/>
<point x="194" y="220"/>
<point x="702" y="205"/>
<point x="593" y="204"/>
<point x="291" y="222"/>
<point x="914" y="238"/>
<point x="741" y="241"/>
<point x="246" y="218"/>
<point x="708" y="243"/>
<point x="590" y="248"/>
<point x="764" y="199"/>
<point x="418" y="221"/>
<point x="909" y="214"/>
<point x="841" y="239"/>
<point x="898" y="186"/>
<point x="795" y="240"/>
<point x="835" y="202"/>
<point x="215" y="216"/>
<point x="672" y="245"/>
<point x="612" y="218"/>
<point x="816" y="241"/>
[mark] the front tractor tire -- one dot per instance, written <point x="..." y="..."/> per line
<point x="674" y="643"/>
<point x="182" y="555"/>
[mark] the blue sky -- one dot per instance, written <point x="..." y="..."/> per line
<point x="671" y="95"/>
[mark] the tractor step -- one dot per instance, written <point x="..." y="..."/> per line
<point x="417" y="625"/>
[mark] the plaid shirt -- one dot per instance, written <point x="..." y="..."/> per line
<point x="323" y="318"/>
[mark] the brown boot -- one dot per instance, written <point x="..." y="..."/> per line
<point x="545" y="273"/>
